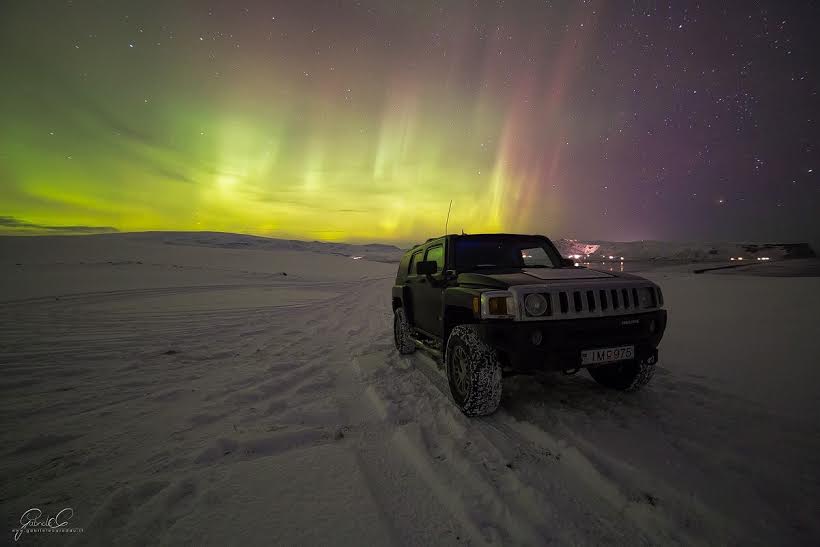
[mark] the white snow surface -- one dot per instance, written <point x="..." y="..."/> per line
<point x="192" y="394"/>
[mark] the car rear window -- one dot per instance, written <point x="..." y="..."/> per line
<point x="411" y="269"/>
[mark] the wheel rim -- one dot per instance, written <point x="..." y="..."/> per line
<point x="459" y="369"/>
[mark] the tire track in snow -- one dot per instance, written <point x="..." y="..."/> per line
<point x="460" y="484"/>
<point x="530" y="450"/>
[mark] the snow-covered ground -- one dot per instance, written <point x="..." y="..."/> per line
<point x="191" y="393"/>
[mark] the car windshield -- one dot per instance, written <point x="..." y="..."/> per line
<point x="478" y="252"/>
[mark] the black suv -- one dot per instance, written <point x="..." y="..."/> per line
<point x="497" y="304"/>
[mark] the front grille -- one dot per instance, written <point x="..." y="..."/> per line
<point x="564" y="302"/>
<point x="570" y="300"/>
<point x="590" y="301"/>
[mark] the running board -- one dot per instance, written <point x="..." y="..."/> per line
<point x="429" y="349"/>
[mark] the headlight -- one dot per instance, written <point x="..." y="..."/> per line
<point x="646" y="297"/>
<point x="497" y="305"/>
<point x="535" y="304"/>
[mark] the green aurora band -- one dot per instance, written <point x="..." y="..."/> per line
<point x="222" y="133"/>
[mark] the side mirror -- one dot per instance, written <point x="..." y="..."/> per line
<point x="426" y="267"/>
<point x="567" y="263"/>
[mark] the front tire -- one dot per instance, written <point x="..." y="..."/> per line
<point x="401" y="333"/>
<point x="473" y="371"/>
<point x="626" y="376"/>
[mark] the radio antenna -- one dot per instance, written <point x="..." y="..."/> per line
<point x="447" y="222"/>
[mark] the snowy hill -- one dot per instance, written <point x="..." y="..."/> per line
<point x="648" y="250"/>
<point x="643" y="251"/>
<point x="374" y="251"/>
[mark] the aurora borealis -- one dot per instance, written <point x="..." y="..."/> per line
<point x="361" y="120"/>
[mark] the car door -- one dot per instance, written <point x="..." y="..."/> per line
<point x="429" y="290"/>
<point x="415" y="283"/>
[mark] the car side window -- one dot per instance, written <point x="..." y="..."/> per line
<point x="535" y="256"/>
<point x="411" y="269"/>
<point x="436" y="254"/>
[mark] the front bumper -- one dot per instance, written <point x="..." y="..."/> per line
<point x="561" y="342"/>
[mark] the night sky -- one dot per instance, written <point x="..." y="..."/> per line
<point x="361" y="120"/>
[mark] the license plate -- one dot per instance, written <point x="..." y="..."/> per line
<point x="607" y="355"/>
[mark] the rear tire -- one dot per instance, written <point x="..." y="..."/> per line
<point x="401" y="333"/>
<point x="626" y="376"/>
<point x="473" y="371"/>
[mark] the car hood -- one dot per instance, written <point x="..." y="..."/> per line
<point x="525" y="276"/>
